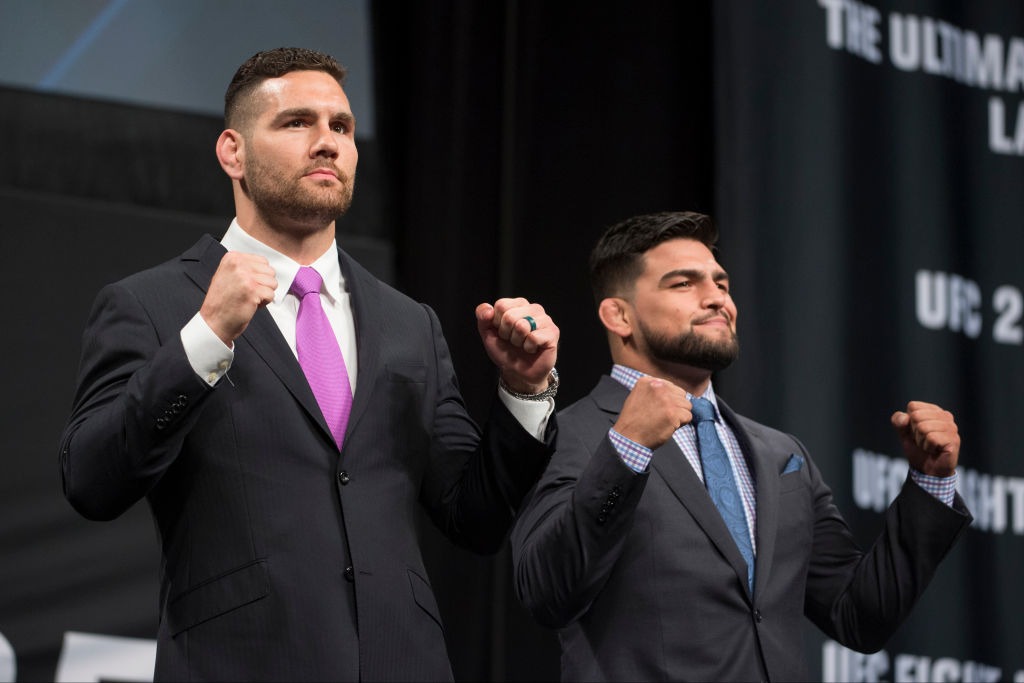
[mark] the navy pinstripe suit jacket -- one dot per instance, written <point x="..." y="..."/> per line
<point x="283" y="559"/>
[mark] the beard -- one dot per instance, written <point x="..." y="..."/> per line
<point x="276" y="195"/>
<point x="693" y="349"/>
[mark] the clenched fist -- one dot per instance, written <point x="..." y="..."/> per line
<point x="929" y="437"/>
<point x="242" y="283"/>
<point x="524" y="355"/>
<point x="653" y="411"/>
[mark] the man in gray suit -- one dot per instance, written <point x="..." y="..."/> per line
<point x="672" y="539"/>
<point x="286" y="416"/>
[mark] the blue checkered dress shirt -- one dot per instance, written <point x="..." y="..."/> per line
<point x="637" y="457"/>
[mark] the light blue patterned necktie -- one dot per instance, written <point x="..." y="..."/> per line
<point x="719" y="480"/>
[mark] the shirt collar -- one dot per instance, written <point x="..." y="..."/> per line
<point x="285" y="269"/>
<point x="628" y="377"/>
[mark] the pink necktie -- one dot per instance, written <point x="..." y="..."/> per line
<point x="319" y="354"/>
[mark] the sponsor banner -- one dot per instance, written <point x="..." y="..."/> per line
<point x="869" y="173"/>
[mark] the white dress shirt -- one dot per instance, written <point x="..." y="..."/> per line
<point x="211" y="358"/>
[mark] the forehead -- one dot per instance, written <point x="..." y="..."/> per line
<point x="301" y="89"/>
<point x="676" y="254"/>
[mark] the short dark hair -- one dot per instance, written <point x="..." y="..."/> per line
<point x="617" y="259"/>
<point x="272" y="64"/>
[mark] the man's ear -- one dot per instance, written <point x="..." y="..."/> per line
<point x="231" y="153"/>
<point x="617" y="316"/>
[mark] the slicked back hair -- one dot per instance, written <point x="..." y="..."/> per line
<point x="617" y="260"/>
<point x="238" y="101"/>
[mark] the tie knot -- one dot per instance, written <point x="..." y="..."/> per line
<point x="702" y="410"/>
<point x="306" y="280"/>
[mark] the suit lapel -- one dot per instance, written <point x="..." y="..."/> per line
<point x="265" y="338"/>
<point x="201" y="260"/>
<point x="679" y="476"/>
<point x="262" y="334"/>
<point x="672" y="466"/>
<point x="766" y="484"/>
<point x="367" y="307"/>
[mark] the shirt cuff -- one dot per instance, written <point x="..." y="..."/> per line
<point x="943" y="488"/>
<point x="635" y="456"/>
<point x="532" y="415"/>
<point x="206" y="353"/>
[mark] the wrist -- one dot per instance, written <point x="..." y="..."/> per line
<point x="938" y="473"/>
<point x="531" y="392"/>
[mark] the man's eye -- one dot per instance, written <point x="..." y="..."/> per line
<point x="296" y="123"/>
<point x="340" y="128"/>
<point x="682" y="283"/>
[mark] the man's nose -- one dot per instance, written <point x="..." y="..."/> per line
<point x="324" y="143"/>
<point x="714" y="297"/>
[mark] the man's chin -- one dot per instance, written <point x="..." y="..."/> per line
<point x="714" y="331"/>
<point x="303" y="219"/>
<point x="717" y="363"/>
<point x="319" y="210"/>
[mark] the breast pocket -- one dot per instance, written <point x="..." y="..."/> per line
<point x="409" y="414"/>
<point x="791" y="481"/>
<point x="796" y="512"/>
<point x="402" y="373"/>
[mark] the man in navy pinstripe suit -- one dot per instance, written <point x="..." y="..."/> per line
<point x="287" y="556"/>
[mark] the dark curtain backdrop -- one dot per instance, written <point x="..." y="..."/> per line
<point x="512" y="133"/>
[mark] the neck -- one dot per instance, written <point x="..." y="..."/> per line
<point x="303" y="243"/>
<point x="691" y="379"/>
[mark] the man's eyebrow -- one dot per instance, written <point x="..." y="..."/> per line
<point x="717" y="275"/>
<point x="344" y="116"/>
<point x="307" y="112"/>
<point x="296" y="113"/>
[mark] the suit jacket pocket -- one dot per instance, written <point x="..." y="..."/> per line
<point x="424" y="597"/>
<point x="790" y="482"/>
<point x="408" y="414"/>
<point x="407" y="372"/>
<point x="218" y="596"/>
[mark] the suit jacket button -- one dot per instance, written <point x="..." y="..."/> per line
<point x="350" y="574"/>
<point x="344" y="479"/>
<point x="602" y="518"/>
<point x="757" y="615"/>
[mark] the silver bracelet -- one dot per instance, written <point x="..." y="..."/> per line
<point x="542" y="396"/>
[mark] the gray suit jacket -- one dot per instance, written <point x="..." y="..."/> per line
<point x="284" y="559"/>
<point x="642" y="579"/>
